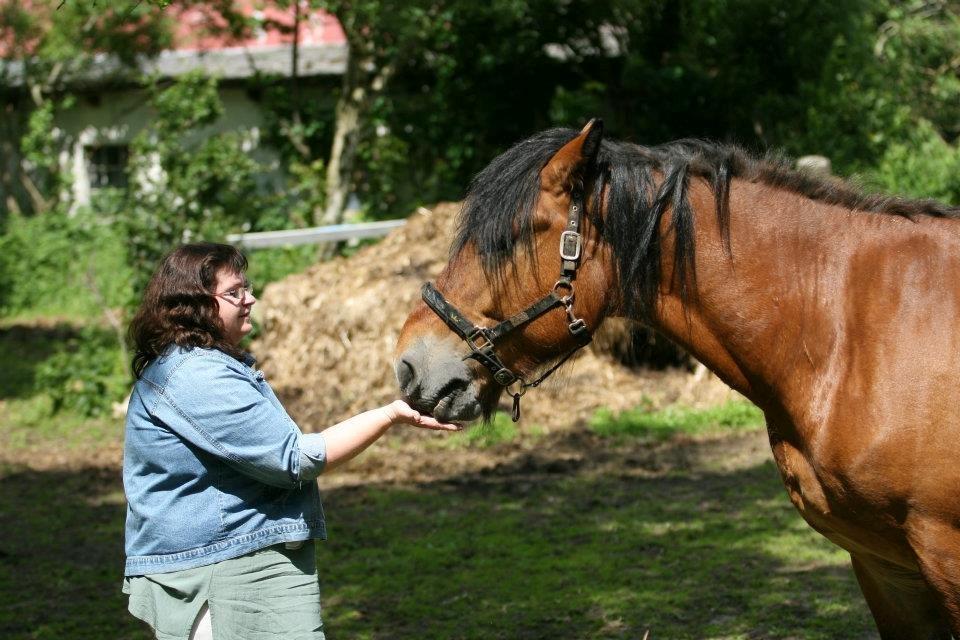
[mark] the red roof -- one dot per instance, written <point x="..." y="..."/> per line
<point x="196" y="27"/>
<point x="199" y="28"/>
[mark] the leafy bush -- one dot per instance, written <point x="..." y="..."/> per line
<point x="185" y="186"/>
<point x="270" y="265"/>
<point x="925" y="167"/>
<point x="86" y="375"/>
<point x="62" y="265"/>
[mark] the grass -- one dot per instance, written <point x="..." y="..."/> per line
<point x="736" y="415"/>
<point x="34" y="373"/>
<point x="529" y="551"/>
<point x="516" y="553"/>
<point x="706" y="555"/>
<point x="500" y="430"/>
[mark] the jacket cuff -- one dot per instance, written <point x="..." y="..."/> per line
<point x="313" y="456"/>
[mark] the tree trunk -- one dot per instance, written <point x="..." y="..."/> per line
<point x="15" y="198"/>
<point x="340" y="167"/>
<point x="346" y="134"/>
<point x="359" y="88"/>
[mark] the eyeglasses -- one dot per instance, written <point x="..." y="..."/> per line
<point x="237" y="294"/>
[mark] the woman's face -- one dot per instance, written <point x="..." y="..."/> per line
<point x="235" y="300"/>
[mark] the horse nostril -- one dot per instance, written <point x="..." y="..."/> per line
<point x="452" y="387"/>
<point x="406" y="376"/>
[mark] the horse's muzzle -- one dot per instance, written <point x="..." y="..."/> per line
<point x="434" y="379"/>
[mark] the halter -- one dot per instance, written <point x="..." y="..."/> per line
<point x="482" y="340"/>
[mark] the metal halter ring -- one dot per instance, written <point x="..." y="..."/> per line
<point x="563" y="283"/>
<point x="522" y="384"/>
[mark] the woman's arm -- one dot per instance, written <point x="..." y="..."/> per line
<point x="347" y="439"/>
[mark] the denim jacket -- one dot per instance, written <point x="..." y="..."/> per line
<point x="213" y="467"/>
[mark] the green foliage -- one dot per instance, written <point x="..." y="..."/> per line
<point x="61" y="265"/>
<point x="73" y="31"/>
<point x="60" y="38"/>
<point x="298" y="124"/>
<point x="41" y="145"/>
<point x="54" y="378"/>
<point x="66" y="267"/>
<point x="51" y="43"/>
<point x="187" y="182"/>
<point x="86" y="375"/>
<point x="303" y="193"/>
<point x="298" y="119"/>
<point x="660" y="425"/>
<point x="846" y="79"/>
<point x="926" y="166"/>
<point x="885" y="82"/>
<point x="270" y="265"/>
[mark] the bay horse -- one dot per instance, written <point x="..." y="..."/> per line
<point x="835" y="312"/>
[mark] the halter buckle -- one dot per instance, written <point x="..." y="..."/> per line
<point x="570" y="245"/>
<point x="505" y="377"/>
<point x="480" y="333"/>
<point x="577" y="326"/>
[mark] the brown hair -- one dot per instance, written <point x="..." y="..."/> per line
<point x="178" y="306"/>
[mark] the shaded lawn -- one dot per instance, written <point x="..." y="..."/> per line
<point x="566" y="555"/>
<point x="61" y="555"/>
<point x="528" y="550"/>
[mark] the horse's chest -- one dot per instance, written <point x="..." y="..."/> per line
<point x="820" y="503"/>
<point x="806" y="490"/>
<point x="833" y="511"/>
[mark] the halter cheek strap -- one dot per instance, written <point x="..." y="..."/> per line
<point x="482" y="340"/>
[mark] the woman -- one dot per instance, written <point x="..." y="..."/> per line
<point x="222" y="503"/>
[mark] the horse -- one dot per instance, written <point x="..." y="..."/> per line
<point x="835" y="311"/>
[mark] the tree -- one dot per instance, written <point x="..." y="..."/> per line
<point x="379" y="36"/>
<point x="405" y="56"/>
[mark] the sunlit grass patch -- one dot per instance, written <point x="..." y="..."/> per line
<point x="662" y="424"/>
<point x="501" y="429"/>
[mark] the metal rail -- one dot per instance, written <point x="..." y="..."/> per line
<point x="314" y="235"/>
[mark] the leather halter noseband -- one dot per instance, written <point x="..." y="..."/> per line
<point x="482" y="340"/>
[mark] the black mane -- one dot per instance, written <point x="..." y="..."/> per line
<point x="503" y="197"/>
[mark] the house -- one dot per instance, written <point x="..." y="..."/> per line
<point x="111" y="106"/>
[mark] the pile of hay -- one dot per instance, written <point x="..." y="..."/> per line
<point x="329" y="334"/>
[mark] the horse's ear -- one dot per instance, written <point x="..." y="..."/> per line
<point x="569" y="165"/>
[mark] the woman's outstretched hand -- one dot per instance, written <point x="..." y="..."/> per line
<point x="400" y="411"/>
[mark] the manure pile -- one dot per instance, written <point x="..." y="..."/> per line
<point x="328" y="336"/>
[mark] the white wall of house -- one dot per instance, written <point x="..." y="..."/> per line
<point x="116" y="116"/>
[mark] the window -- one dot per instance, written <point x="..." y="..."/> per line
<point x="107" y="166"/>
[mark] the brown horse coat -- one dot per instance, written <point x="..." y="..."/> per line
<point x="837" y="314"/>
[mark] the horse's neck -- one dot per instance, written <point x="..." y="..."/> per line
<point x="760" y="316"/>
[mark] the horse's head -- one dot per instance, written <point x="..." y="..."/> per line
<point x="528" y="267"/>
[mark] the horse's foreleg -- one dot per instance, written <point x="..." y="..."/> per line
<point x="903" y="605"/>
<point x="937" y="546"/>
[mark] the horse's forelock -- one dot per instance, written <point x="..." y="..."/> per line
<point x="503" y="197"/>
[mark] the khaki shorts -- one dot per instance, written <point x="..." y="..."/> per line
<point x="267" y="594"/>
